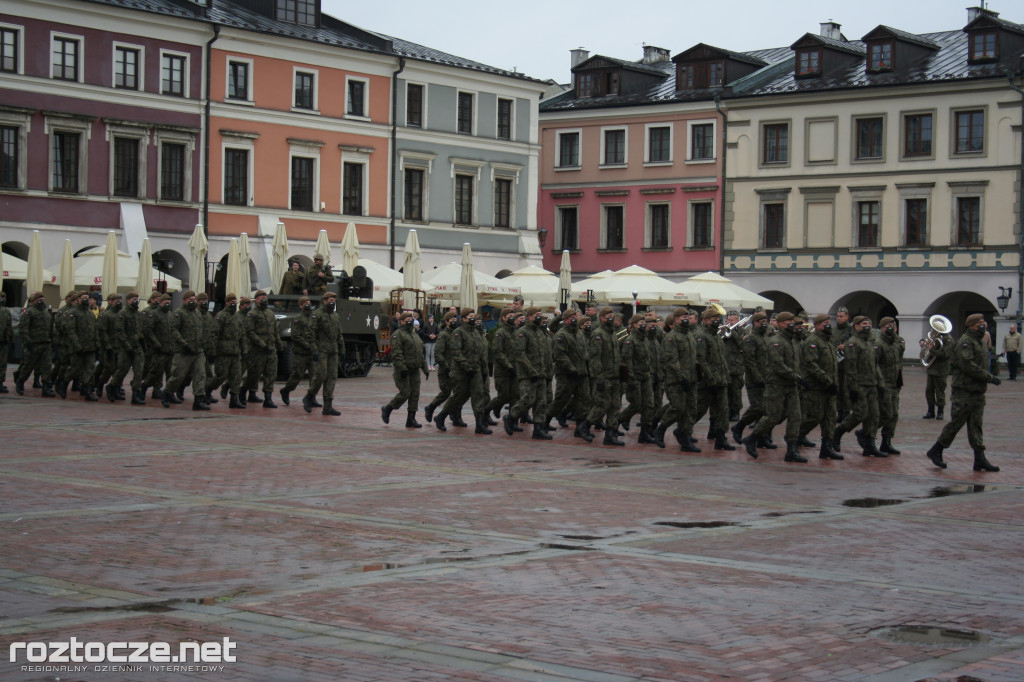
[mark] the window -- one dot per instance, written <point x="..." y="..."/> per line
<point x="238" y="80"/>
<point x="917" y="135"/>
<point x="684" y="77"/>
<point x="126" y="68"/>
<point x="504" y="119"/>
<point x="970" y="131"/>
<point x="9" y="160"/>
<point x="808" y="62"/>
<point x="615" y="147"/>
<point x="464" y="199"/>
<point x="716" y="73"/>
<point x="352" y="189"/>
<point x="126" y="167"/>
<point x="983" y="47"/>
<point x="305" y="90"/>
<point x="880" y="56"/>
<point x="65" y="58"/>
<point x="236" y="177"/>
<point x="659" y="144"/>
<point x="172" y="75"/>
<point x="65" y="161"/>
<point x="867" y="224"/>
<point x="568" y="228"/>
<point x="10" y="49"/>
<point x="968" y="221"/>
<point x="657" y="226"/>
<point x="568" y="150"/>
<point x="302" y="183"/>
<point x="614" y="227"/>
<point x="297" y="11"/>
<point x="869" y="138"/>
<point x="597" y="84"/>
<point x="701" y="220"/>
<point x="414" y="105"/>
<point x="356" y="98"/>
<point x="465" y="113"/>
<point x="172" y="171"/>
<point x="915" y="222"/>
<point x="413" y="194"/>
<point x="774" y="225"/>
<point x="502" y="202"/>
<point x="776" y="143"/>
<point x="702" y="142"/>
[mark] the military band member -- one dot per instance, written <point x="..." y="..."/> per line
<point x="819" y="365"/>
<point x="734" y="358"/>
<point x="863" y="379"/>
<point x="36" y="330"/>
<point x="407" y="362"/>
<point x="329" y="346"/>
<point x="937" y="375"/>
<point x="713" y="378"/>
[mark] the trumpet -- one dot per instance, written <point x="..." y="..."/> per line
<point x="727" y="330"/>
<point x="940" y="325"/>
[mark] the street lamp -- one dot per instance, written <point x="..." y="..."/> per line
<point x="1003" y="299"/>
<point x="635" y="294"/>
<point x="542" y="236"/>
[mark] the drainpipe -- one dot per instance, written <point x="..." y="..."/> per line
<point x="721" y="220"/>
<point x="394" y="153"/>
<point x="1020" y="203"/>
<point x="206" y="134"/>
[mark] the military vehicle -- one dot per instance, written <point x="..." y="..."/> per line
<point x="361" y="322"/>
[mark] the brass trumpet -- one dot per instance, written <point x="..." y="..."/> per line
<point x="727" y="330"/>
<point x="940" y="325"/>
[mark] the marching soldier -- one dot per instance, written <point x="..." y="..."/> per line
<point x="64" y="362"/>
<point x="36" y="330"/>
<point x="820" y="368"/>
<point x="938" y="373"/>
<point x="132" y="355"/>
<point x="890" y="366"/>
<point x="504" y="370"/>
<point x="189" y="364"/>
<point x="442" y="352"/>
<point x="844" y="330"/>
<point x="569" y="358"/>
<point x="302" y="347"/>
<point x="244" y="306"/>
<point x="112" y="343"/>
<point x="329" y="346"/>
<point x="713" y="378"/>
<point x="84" y="342"/>
<point x="970" y="383"/>
<point x="603" y="359"/>
<point x="229" y="342"/>
<point x="755" y="365"/>
<point x="265" y="342"/>
<point x="679" y="364"/>
<point x="318" y="276"/>
<point x="407" y="361"/>
<point x="209" y="342"/>
<point x="159" y="349"/>
<point x="531" y="348"/>
<point x="636" y="359"/>
<point x="862" y="375"/>
<point x="468" y="353"/>
<point x="734" y="359"/>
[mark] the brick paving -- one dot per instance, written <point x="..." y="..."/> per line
<point x="346" y="549"/>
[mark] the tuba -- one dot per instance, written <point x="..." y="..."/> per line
<point x="940" y="325"/>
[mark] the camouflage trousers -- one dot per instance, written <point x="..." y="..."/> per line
<point x="818" y="408"/>
<point x="782" y="403"/>
<point x="407" y="381"/>
<point x="968" y="408"/>
<point x="935" y="391"/>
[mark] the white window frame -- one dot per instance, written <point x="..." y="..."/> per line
<point x="421" y="161"/>
<point x="307" y="149"/>
<point x="57" y="123"/>
<point x="473" y="168"/>
<point x="649" y="227"/>
<point x="141" y="75"/>
<point x="714" y="140"/>
<point x="603" y="244"/>
<point x="139" y="133"/>
<point x="250" y="80"/>
<point x="365" y="116"/>
<point x="24" y="124"/>
<point x="296" y="70"/>
<point x="186" y="85"/>
<point x="505" y="171"/>
<point x="362" y="159"/>
<point x="558" y="148"/>
<point x="966" y="190"/>
<point x="163" y="136"/>
<point x="476" y="111"/>
<point x="80" y="75"/>
<point x="916" y="191"/>
<point x="953" y="113"/>
<point x="423" y="112"/>
<point x="625" y="147"/>
<point x="248" y="143"/>
<point x="690" y="224"/>
<point x="858" y="197"/>
<point x="647" y="144"/>
<point x="511" y="121"/>
<point x="20" y="30"/>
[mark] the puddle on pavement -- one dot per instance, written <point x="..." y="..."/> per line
<point x="789" y="513"/>
<point x="936" y="636"/>
<point x="696" y="524"/>
<point x="558" y="545"/>
<point x="871" y="502"/>
<point x="964" y="489"/>
<point x="144" y="607"/>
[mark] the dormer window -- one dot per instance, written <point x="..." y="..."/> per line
<point x="302" y="12"/>
<point x="808" y="62"/>
<point x="984" y="47"/>
<point x="684" y="78"/>
<point x="880" y="56"/>
<point x="597" y="84"/>
<point x="716" y="70"/>
<point x="700" y="75"/>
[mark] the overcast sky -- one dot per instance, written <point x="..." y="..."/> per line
<point x="535" y="36"/>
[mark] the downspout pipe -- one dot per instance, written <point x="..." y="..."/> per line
<point x="394" y="155"/>
<point x="206" y="133"/>
<point x="721" y="208"/>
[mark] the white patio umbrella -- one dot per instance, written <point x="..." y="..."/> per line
<point x="89" y="266"/>
<point x="385" y="280"/>
<point x="580" y="288"/>
<point x="143" y="278"/>
<point x="16" y="268"/>
<point x="650" y="288"/>
<point x="67" y="270"/>
<point x="536" y="285"/>
<point x="467" y="282"/>
<point x="713" y="288"/>
<point x="244" y="254"/>
<point x="34" y="269"/>
<point x="446" y="283"/>
<point x="233" y="278"/>
<point x="2" y="271"/>
<point x="564" y="277"/>
<point x="279" y="257"/>
<point x="199" y="246"/>
<point x="412" y="269"/>
<point x="350" y="249"/>
<point x="323" y="246"/>
<point x="109" y="275"/>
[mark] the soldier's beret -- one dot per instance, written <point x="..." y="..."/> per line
<point x="318" y="256"/>
<point x="505" y="311"/>
<point x="758" y="316"/>
<point x="733" y="312"/>
<point x="244" y="300"/>
<point x="532" y="310"/>
<point x="188" y="293"/>
<point x="842" y="309"/>
<point x="327" y="295"/>
<point x="36" y="295"/>
<point x="886" y="320"/>
<point x="230" y="298"/>
<point x="857" y="320"/>
<point x="71" y="295"/>
<point x="709" y="313"/>
<point x="468" y="311"/>
<point x="449" y="316"/>
<point x="785" y="317"/>
<point x="818" y="319"/>
<point x="165" y="297"/>
<point x="260" y="293"/>
<point x="570" y="313"/>
<point x="114" y="297"/>
<point x="680" y="312"/>
<point x="303" y="300"/>
<point x="975" y="319"/>
<point x="636" y="318"/>
<point x="154" y="296"/>
<point x="132" y="294"/>
<point x="604" y="311"/>
<point x="518" y="314"/>
<point x="202" y="296"/>
<point x="404" y="315"/>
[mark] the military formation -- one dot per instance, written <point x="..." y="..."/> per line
<point x="592" y="368"/>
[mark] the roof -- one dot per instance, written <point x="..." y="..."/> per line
<point x="854" y="48"/>
<point x="882" y="29"/>
<point x="634" y="66"/>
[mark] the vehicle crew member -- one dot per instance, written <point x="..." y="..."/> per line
<point x="318" y="276"/>
<point x="294" y="279"/>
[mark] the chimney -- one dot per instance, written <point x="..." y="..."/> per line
<point x="975" y="12"/>
<point x="830" y="29"/>
<point x="654" y="55"/>
<point x="579" y="55"/>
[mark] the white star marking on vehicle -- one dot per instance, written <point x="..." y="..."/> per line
<point x="367" y="320"/>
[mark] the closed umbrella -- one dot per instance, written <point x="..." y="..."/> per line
<point x="279" y="257"/>
<point x="34" y="271"/>
<point x="109" y="281"/>
<point x="144" y="278"/>
<point x="67" y="270"/>
<point x="713" y="288"/>
<point x="323" y="246"/>
<point x="243" y="257"/>
<point x="350" y="249"/>
<point x="233" y="279"/>
<point x="199" y="246"/>
<point x="467" y="282"/>
<point x="412" y="270"/>
<point x="565" y="280"/>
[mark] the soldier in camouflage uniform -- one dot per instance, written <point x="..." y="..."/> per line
<point x="111" y="345"/>
<point x="6" y="338"/>
<point x="407" y="362"/>
<point x="83" y="341"/>
<point x="755" y="363"/>
<point x="938" y="375"/>
<point x="302" y="347"/>
<point x="329" y="347"/>
<point x="189" y="364"/>
<point x="63" y="371"/>
<point x="504" y="371"/>
<point x="209" y="342"/>
<point x="159" y="350"/>
<point x="890" y="367"/>
<point x="713" y="383"/>
<point x="468" y="353"/>
<point x="863" y="380"/>
<point x="532" y="355"/>
<point x="734" y="359"/>
<point x="131" y="356"/>
<point x="844" y="330"/>
<point x="820" y="368"/>
<point x="636" y="358"/>
<point x="970" y="382"/>
<point x="318" y="276"/>
<point x="442" y="353"/>
<point x="265" y="342"/>
<point x="569" y="357"/>
<point x="603" y="359"/>
<point x="229" y="341"/>
<point x="36" y="330"/>
<point x="679" y="370"/>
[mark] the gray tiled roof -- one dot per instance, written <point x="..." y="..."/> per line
<point x="909" y="37"/>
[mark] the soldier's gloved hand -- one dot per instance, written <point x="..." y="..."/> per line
<point x="316" y="355"/>
<point x="267" y="350"/>
<point x="995" y="381"/>
<point x="601" y="386"/>
<point x="685" y="384"/>
<point x="803" y="383"/>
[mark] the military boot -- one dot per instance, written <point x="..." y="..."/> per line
<point x="36" y="383"/>
<point x="722" y="443"/>
<point x="315" y="402"/>
<point x="181" y="394"/>
<point x="410" y="421"/>
<point x="583" y="431"/>
<point x="935" y="455"/>
<point x="548" y="427"/>
<point x="488" y="420"/>
<point x="236" y="404"/>
<point x="610" y="438"/>
<point x="930" y="414"/>
<point x="861" y="438"/>
<point x="198" y="404"/>
<point x="538" y="432"/>
<point x="328" y="409"/>
<point x="658" y="437"/>
<point x="887" y="447"/>
<point x="89" y="394"/>
<point x="170" y="397"/>
<point x="457" y="419"/>
<point x="111" y="393"/>
<point x="938" y="415"/>
<point x="307" y="402"/>
<point x="48" y="390"/>
<point x="687" y="443"/>
<point x="138" y="398"/>
<point x="805" y="443"/>
<point x="284" y="396"/>
<point x="836" y="435"/>
<point x="165" y="398"/>
<point x="268" y="399"/>
<point x="252" y="397"/>
<point x="428" y="411"/>
<point x="506" y="422"/>
<point x="19" y="387"/>
<point x="481" y="425"/>
<point x="224" y="392"/>
<point x="385" y="413"/>
<point x="792" y="455"/>
<point x="209" y="399"/>
<point x="737" y="432"/>
<point x="439" y="421"/>
<point x="870" y="450"/>
<point x="827" y="452"/>
<point x="763" y="442"/>
<point x="750" y="443"/>
<point x="61" y="388"/>
<point x="644" y="436"/>
<point x="982" y="464"/>
<point x="120" y="393"/>
<point x="562" y="421"/>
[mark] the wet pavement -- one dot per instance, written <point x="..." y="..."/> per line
<point x="340" y="548"/>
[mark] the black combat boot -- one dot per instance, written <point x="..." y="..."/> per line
<point x="734" y="416"/>
<point x="481" y="425"/>
<point x="428" y="411"/>
<point x="764" y="442"/>
<point x="252" y="397"/>
<point x="328" y="409"/>
<point x="198" y="404"/>
<point x="268" y="399"/>
<point x="35" y="382"/>
<point x="19" y="387"/>
<point x="181" y="394"/>
<point x="506" y="422"/>
<point x="236" y="404"/>
<point x="90" y="394"/>
<point x="935" y="455"/>
<point x="209" y="399"/>
<point x="827" y="452"/>
<point x="111" y="392"/>
<point x="48" y="390"/>
<point x="836" y="435"/>
<point x="138" y="398"/>
<point x="165" y="398"/>
<point x="410" y="421"/>
<point x="930" y="414"/>
<point x="548" y="427"/>
<point x="658" y="437"/>
<point x="385" y="413"/>
<point x="561" y="421"/>
<point x="120" y="393"/>
<point x="792" y="455"/>
<point x="284" y="396"/>
<point x="172" y="398"/>
<point x="938" y="415"/>
<point x="737" y="432"/>
<point x="982" y="464"/>
<point x="439" y="421"/>
<point x="538" y="432"/>
<point x="750" y="443"/>
<point x="887" y="447"/>
<point x="224" y="392"/>
<point x="861" y="438"/>
<point x="307" y="403"/>
<point x="61" y="388"/>
<point x="315" y="402"/>
<point x="644" y="436"/>
<point x="722" y="443"/>
<point x="870" y="450"/>
<point x="688" y="444"/>
<point x="610" y="438"/>
<point x="583" y="431"/>
<point x="457" y="419"/>
<point x="805" y="443"/>
<point x="488" y="420"/>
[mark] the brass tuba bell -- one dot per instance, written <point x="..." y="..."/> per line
<point x="940" y="325"/>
